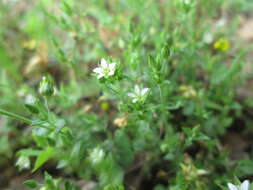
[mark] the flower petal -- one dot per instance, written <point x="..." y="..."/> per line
<point x="232" y="187"/>
<point x="101" y="75"/>
<point x="134" y="100"/>
<point x="245" y="185"/>
<point x="104" y="63"/>
<point x="97" y="70"/>
<point x="111" y="73"/>
<point x="144" y="91"/>
<point x="132" y="95"/>
<point x="137" y="89"/>
<point x="112" y="66"/>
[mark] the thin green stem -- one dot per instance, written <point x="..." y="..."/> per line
<point x="161" y="96"/>
<point x="15" y="116"/>
<point x="23" y="119"/>
<point x="128" y="78"/>
<point x="46" y="104"/>
<point x="163" y="111"/>
<point x="113" y="90"/>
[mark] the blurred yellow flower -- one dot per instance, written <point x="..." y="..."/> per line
<point x="104" y="106"/>
<point x="222" y="45"/>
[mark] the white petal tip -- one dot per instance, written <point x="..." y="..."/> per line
<point x="232" y="186"/>
<point x="245" y="185"/>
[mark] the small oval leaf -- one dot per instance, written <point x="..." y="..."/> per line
<point x="31" y="183"/>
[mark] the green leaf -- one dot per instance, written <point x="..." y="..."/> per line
<point x="124" y="153"/>
<point x="67" y="9"/>
<point x="28" y="152"/>
<point x="244" y="167"/>
<point x="70" y="186"/>
<point x="43" y="156"/>
<point x="31" y="183"/>
<point x="32" y="108"/>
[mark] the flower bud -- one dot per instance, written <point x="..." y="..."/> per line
<point x="97" y="155"/>
<point x="46" y="87"/>
<point x="23" y="162"/>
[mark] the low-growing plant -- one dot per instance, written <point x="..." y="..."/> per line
<point x="128" y="95"/>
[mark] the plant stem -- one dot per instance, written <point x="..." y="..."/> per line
<point x="15" y="116"/>
<point x="113" y="90"/>
<point x="161" y="96"/>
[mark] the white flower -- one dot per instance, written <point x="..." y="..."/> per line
<point x="208" y="38"/>
<point x="243" y="186"/>
<point x="105" y="69"/>
<point x="221" y="22"/>
<point x="97" y="155"/>
<point x="139" y="95"/>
